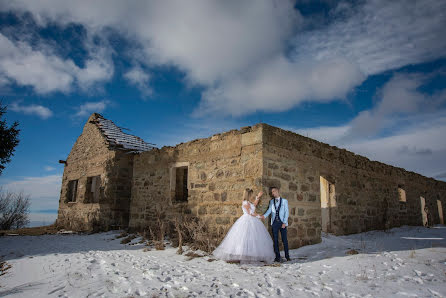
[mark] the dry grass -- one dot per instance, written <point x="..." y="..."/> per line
<point x="158" y="230"/>
<point x="128" y="239"/>
<point x="192" y="255"/>
<point x="178" y="223"/>
<point x="363" y="276"/>
<point x="158" y="238"/>
<point x="35" y="231"/>
<point x="122" y="235"/>
<point x="4" y="267"/>
<point x="351" y="252"/>
<point x="199" y="237"/>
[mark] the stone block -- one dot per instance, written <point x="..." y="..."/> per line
<point x="273" y="166"/>
<point x="292" y="232"/>
<point x="282" y="175"/>
<point x="202" y="210"/>
<point x="224" y="196"/>
<point x="312" y="198"/>
<point x="251" y="138"/>
<point x="311" y="232"/>
<point x="220" y="174"/>
<point x="292" y="186"/>
<point x="299" y="197"/>
<point x="313" y="212"/>
<point x="269" y="182"/>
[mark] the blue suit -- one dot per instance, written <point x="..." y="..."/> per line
<point x="283" y="212"/>
<point x="279" y="217"/>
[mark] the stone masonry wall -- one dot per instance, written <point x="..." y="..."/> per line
<point x="89" y="157"/>
<point x="135" y="189"/>
<point x="219" y="169"/>
<point x="366" y="192"/>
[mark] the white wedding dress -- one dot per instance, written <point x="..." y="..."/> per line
<point x="247" y="241"/>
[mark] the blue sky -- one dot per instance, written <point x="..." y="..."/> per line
<point x="368" y="76"/>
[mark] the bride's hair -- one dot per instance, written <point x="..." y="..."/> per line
<point x="247" y="194"/>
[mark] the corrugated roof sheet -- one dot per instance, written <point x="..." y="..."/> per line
<point x="117" y="139"/>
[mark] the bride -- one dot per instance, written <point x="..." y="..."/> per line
<point x="247" y="240"/>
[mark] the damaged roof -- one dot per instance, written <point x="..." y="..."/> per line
<point x="117" y="139"/>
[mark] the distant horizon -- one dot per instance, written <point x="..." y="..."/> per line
<point x="33" y="224"/>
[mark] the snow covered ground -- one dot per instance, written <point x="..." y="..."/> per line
<point x="404" y="262"/>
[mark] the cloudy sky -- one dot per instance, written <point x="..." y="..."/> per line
<point x="368" y="76"/>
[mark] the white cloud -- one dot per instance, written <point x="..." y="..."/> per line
<point x="140" y="79"/>
<point x="38" y="187"/>
<point x="207" y="39"/>
<point x="211" y="41"/>
<point x="41" y="111"/>
<point x="44" y="191"/>
<point x="281" y="84"/>
<point x="421" y="148"/>
<point x="326" y="134"/>
<point x="49" y="168"/>
<point x="379" y="35"/>
<point x="43" y="70"/>
<point x="240" y="52"/>
<point x="399" y="98"/>
<point x="92" y="107"/>
<point x="405" y="128"/>
<point x="20" y="63"/>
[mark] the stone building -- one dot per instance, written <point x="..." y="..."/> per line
<point x="328" y="189"/>
<point x="97" y="178"/>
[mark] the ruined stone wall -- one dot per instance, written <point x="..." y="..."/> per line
<point x="90" y="157"/>
<point x="219" y="169"/>
<point x="298" y="182"/>
<point x="366" y="192"/>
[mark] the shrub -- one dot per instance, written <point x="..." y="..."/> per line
<point x="4" y="267"/>
<point x="198" y="234"/>
<point x="14" y="209"/>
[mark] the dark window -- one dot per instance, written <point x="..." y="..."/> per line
<point x="93" y="189"/>
<point x="181" y="191"/>
<point x="72" y="191"/>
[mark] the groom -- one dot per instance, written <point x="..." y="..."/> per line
<point x="279" y="221"/>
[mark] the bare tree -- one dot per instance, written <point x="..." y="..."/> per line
<point x="14" y="209"/>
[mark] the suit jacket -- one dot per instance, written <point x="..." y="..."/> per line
<point x="283" y="212"/>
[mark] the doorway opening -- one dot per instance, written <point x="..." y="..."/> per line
<point x="328" y="202"/>
<point x="179" y="182"/>
<point x="440" y="212"/>
<point x="423" y="211"/>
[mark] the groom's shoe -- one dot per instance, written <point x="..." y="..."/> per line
<point x="277" y="260"/>
<point x="288" y="259"/>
